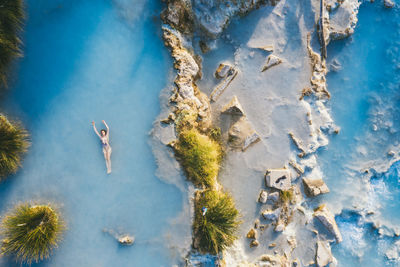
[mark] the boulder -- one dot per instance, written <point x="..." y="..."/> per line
<point x="315" y="187"/>
<point x="222" y="70"/>
<point x="252" y="234"/>
<point x="272" y="60"/>
<point x="278" y="178"/>
<point x="233" y="107"/>
<point x="126" y="240"/>
<point x="274" y="260"/>
<point x="328" y="221"/>
<point x="323" y="255"/>
<point x="263" y="197"/>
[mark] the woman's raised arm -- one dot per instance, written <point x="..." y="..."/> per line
<point x="95" y="130"/>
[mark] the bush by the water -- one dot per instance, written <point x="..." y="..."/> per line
<point x="11" y="15"/>
<point x="13" y="144"/>
<point x="200" y="156"/>
<point x="31" y="232"/>
<point x="217" y="229"/>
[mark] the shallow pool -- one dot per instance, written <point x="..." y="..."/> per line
<point x="93" y="60"/>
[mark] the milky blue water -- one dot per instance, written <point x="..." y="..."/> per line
<point x="93" y="60"/>
<point x="365" y="104"/>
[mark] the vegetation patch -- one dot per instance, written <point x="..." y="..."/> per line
<point x="11" y="16"/>
<point x="200" y="156"/>
<point x="31" y="232"/>
<point x="216" y="221"/>
<point x="13" y="144"/>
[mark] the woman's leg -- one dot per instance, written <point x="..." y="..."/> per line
<point x="108" y="160"/>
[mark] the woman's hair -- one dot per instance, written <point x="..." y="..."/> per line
<point x="103" y="130"/>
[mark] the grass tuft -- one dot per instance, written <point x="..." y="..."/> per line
<point x="200" y="156"/>
<point x="13" y="144"/>
<point x="31" y="232"/>
<point x="217" y="229"/>
<point x="11" y="16"/>
<point x="286" y="196"/>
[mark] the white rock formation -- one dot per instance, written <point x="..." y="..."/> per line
<point x="272" y="60"/>
<point x="263" y="197"/>
<point x="315" y="187"/>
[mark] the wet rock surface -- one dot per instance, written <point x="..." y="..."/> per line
<point x="315" y="187"/>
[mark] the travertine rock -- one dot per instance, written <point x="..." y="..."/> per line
<point x="242" y="134"/>
<point x="233" y="107"/>
<point x="272" y="60"/>
<point x="323" y="255"/>
<point x="328" y="220"/>
<point x="222" y="70"/>
<point x="252" y="234"/>
<point x="278" y="178"/>
<point x="263" y="196"/>
<point x="315" y="187"/>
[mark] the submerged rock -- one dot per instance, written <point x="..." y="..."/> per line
<point x="274" y="260"/>
<point x="279" y="227"/>
<point x="323" y="254"/>
<point x="272" y="60"/>
<point x="315" y="187"/>
<point x="233" y="107"/>
<point x="328" y="221"/>
<point x="278" y="178"/>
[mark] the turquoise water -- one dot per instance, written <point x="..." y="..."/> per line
<point x="365" y="104"/>
<point x="93" y="60"/>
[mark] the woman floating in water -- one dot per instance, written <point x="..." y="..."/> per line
<point x="105" y="141"/>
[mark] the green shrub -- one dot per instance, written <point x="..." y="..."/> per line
<point x="200" y="156"/>
<point x="31" y="232"/>
<point x="11" y="15"/>
<point x="217" y="229"/>
<point x="13" y="144"/>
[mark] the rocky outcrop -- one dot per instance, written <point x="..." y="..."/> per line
<point x="337" y="20"/>
<point x="214" y="16"/>
<point x="278" y="178"/>
<point x="252" y="234"/>
<point x="323" y="254"/>
<point x="272" y="60"/>
<point x="187" y="97"/>
<point x="315" y="187"/>
<point x="179" y="15"/>
<point x="328" y="221"/>
<point x="274" y="261"/>
<point x="271" y="215"/>
<point x="233" y="107"/>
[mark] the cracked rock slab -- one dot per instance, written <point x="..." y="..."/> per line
<point x="278" y="178"/>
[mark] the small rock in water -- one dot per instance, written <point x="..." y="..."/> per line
<point x="263" y="196"/>
<point x="222" y="70"/>
<point x="126" y="240"/>
<point x="271" y="215"/>
<point x="328" y="220"/>
<point x="252" y="234"/>
<point x="273" y="197"/>
<point x="388" y="3"/>
<point x="272" y="60"/>
<point x="254" y="243"/>
<point x="315" y="187"/>
<point x="391" y="153"/>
